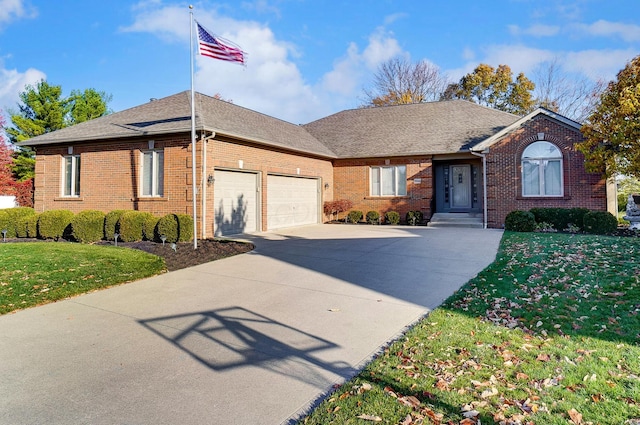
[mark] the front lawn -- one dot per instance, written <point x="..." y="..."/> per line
<point x="548" y="334"/>
<point x="41" y="272"/>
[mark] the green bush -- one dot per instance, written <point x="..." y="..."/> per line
<point x="111" y="223"/>
<point x="54" y="224"/>
<point x="414" y="218"/>
<point x="185" y="227"/>
<point x="4" y="222"/>
<point x="32" y="225"/>
<point x="22" y="226"/>
<point x="88" y="226"/>
<point x="149" y="227"/>
<point x="176" y="227"/>
<point x="576" y="217"/>
<point x="355" y="216"/>
<point x="392" y="217"/>
<point x="600" y="222"/>
<point x="373" y="217"/>
<point x="623" y="198"/>
<point x="520" y="221"/>
<point x="131" y="225"/>
<point x="12" y="218"/>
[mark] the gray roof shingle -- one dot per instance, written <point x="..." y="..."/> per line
<point x="418" y="129"/>
<point x="172" y="114"/>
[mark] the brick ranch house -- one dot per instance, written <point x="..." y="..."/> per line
<point x="257" y="173"/>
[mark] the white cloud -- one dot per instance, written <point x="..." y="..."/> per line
<point x="272" y="82"/>
<point x="598" y="64"/>
<point x="12" y="83"/>
<point x="536" y="30"/>
<point x="602" y="28"/>
<point x="11" y="10"/>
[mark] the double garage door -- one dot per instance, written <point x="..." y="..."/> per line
<point x="291" y="201"/>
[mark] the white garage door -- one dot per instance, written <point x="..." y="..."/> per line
<point x="291" y="201"/>
<point x="235" y="202"/>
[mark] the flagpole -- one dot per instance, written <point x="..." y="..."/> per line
<point x="193" y="133"/>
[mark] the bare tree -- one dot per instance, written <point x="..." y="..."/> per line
<point x="399" y="81"/>
<point x="566" y="94"/>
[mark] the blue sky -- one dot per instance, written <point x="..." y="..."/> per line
<point x="306" y="58"/>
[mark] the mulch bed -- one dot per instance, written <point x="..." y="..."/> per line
<point x="185" y="256"/>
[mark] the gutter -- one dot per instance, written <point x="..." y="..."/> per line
<point x="483" y="155"/>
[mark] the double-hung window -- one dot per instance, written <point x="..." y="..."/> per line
<point x="153" y="173"/>
<point x="542" y="170"/>
<point x="71" y="183"/>
<point x="389" y="180"/>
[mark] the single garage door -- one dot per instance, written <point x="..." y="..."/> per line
<point x="291" y="201"/>
<point x="235" y="202"/>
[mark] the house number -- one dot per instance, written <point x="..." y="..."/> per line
<point x="459" y="178"/>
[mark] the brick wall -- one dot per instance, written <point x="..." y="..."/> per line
<point x="504" y="181"/>
<point x="352" y="182"/>
<point x="109" y="175"/>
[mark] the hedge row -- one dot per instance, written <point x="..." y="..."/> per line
<point x="91" y="226"/>
<point x="561" y="219"/>
<point x="413" y="218"/>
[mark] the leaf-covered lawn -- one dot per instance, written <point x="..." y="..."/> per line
<point x="548" y="334"/>
<point x="40" y="272"/>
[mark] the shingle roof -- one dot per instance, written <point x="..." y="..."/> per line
<point x="422" y="128"/>
<point x="418" y="129"/>
<point x="172" y="114"/>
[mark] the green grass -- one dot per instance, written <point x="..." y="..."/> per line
<point x="42" y="272"/>
<point x="548" y="334"/>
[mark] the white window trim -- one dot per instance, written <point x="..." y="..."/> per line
<point x="74" y="192"/>
<point x="155" y="173"/>
<point x="397" y="181"/>
<point x="541" y="174"/>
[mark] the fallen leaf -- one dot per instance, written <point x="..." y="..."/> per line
<point x="489" y="393"/>
<point x="575" y="416"/>
<point x="370" y="418"/>
<point x="543" y="357"/>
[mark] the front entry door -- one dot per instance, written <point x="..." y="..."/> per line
<point x="460" y="186"/>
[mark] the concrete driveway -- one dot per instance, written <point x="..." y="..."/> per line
<point x="256" y="338"/>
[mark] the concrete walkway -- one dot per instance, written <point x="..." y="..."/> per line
<point x="255" y="338"/>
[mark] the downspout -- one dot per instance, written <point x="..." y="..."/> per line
<point x="483" y="155"/>
<point x="205" y="181"/>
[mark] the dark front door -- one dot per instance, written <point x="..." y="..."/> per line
<point x="460" y="186"/>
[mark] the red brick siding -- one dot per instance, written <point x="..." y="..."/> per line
<point x="109" y="174"/>
<point x="504" y="182"/>
<point x="352" y="182"/>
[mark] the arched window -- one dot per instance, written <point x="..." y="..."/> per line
<point x="542" y="170"/>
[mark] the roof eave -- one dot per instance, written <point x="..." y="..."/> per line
<point x="485" y="144"/>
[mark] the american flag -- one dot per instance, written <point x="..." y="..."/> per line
<point x="218" y="48"/>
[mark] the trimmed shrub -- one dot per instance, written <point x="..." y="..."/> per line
<point x="414" y="218"/>
<point x="176" y="227"/>
<point x="131" y="225"/>
<point x="54" y="224"/>
<point x="520" y="221"/>
<point x="373" y="217"/>
<point x="88" y="226"/>
<point x="111" y="223"/>
<point x="21" y="226"/>
<point x="576" y="217"/>
<point x="392" y="217"/>
<point x="185" y="227"/>
<point x="149" y="227"/>
<point x="32" y="225"/>
<point x="355" y="216"/>
<point x="4" y="222"/>
<point x="13" y="215"/>
<point x="600" y="222"/>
